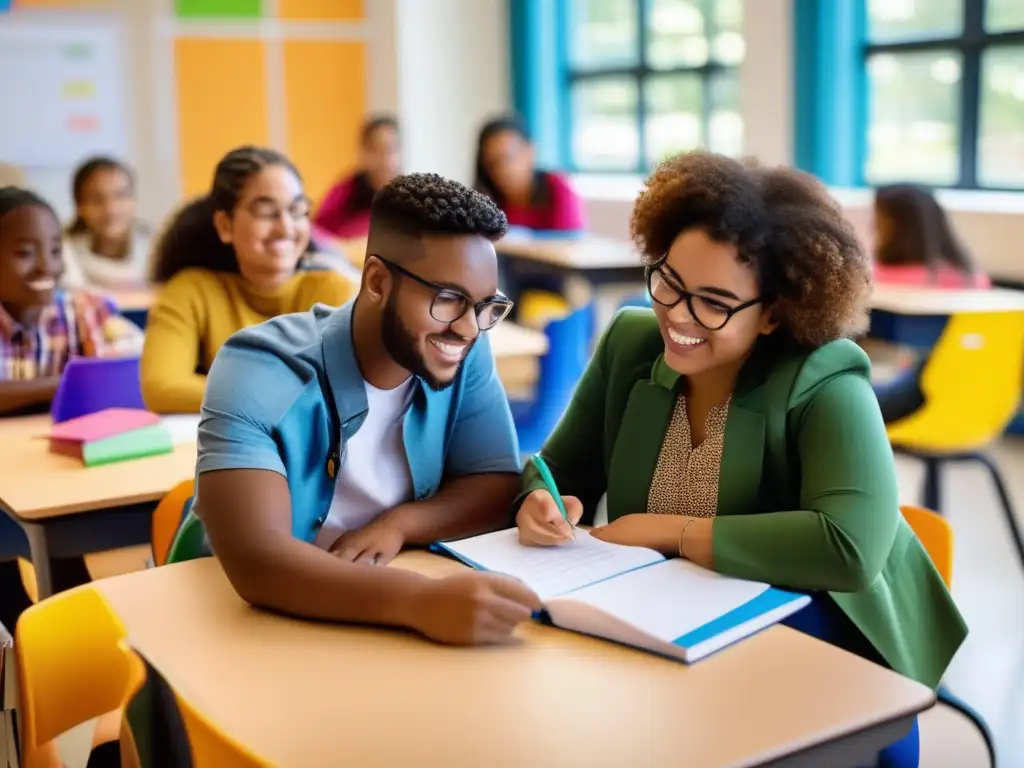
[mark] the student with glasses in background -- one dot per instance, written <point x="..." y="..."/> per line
<point x="735" y="425"/>
<point x="233" y="258"/>
<point x="332" y="439"/>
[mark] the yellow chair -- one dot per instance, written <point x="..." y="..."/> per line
<point x="972" y="386"/>
<point x="538" y="308"/>
<point x="208" y="746"/>
<point x="69" y="672"/>
<point x="936" y="536"/>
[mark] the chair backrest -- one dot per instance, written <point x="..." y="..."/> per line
<point x="167" y="518"/>
<point x="164" y="730"/>
<point x="936" y="536"/>
<point x="971" y="383"/>
<point x="70" y="670"/>
<point x="569" y="340"/>
<point x="189" y="540"/>
<point x="92" y="384"/>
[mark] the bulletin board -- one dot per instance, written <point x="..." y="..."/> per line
<point x="62" y="91"/>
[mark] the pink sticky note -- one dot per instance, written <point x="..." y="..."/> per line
<point x="106" y="423"/>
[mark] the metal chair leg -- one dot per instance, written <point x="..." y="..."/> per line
<point x="932" y="491"/>
<point x="1007" y="505"/>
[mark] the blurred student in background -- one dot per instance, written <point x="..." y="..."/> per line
<point x="345" y="210"/>
<point x="231" y="259"/>
<point x="915" y="243"/>
<point x="107" y="246"/>
<point x="42" y="327"/>
<point x="531" y="198"/>
<point x="915" y="246"/>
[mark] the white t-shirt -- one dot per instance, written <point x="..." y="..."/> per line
<point x="374" y="474"/>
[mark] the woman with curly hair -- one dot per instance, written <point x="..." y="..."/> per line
<point x="735" y="425"/>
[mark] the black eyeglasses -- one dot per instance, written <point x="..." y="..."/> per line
<point x="710" y="313"/>
<point x="449" y="304"/>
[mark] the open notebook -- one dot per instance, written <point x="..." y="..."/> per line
<point x="632" y="595"/>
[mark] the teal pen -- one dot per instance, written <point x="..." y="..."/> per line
<point x="549" y="481"/>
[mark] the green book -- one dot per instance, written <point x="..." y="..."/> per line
<point x="134" y="444"/>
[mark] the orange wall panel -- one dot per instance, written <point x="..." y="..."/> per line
<point x="222" y="103"/>
<point x="334" y="10"/>
<point x="325" y="97"/>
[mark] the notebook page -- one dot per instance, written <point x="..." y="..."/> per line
<point x="551" y="571"/>
<point x="669" y="600"/>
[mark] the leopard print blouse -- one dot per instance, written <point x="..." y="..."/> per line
<point x="685" y="479"/>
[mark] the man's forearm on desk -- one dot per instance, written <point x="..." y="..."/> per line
<point x="297" y="578"/>
<point x="463" y="506"/>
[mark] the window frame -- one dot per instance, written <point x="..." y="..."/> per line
<point x="639" y="73"/>
<point x="971" y="43"/>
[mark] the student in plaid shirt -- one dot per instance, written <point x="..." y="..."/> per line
<point x="41" y="328"/>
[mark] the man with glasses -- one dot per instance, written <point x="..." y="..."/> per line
<point x="331" y="439"/>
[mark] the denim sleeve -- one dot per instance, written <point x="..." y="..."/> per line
<point x="240" y="411"/>
<point x="484" y="437"/>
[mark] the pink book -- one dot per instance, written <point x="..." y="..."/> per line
<point x="68" y="437"/>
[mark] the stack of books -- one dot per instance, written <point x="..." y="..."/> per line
<point x="111" y="435"/>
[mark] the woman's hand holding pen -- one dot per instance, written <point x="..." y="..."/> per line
<point x="540" y="522"/>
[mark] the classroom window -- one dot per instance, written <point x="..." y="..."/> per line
<point x="945" y="83"/>
<point x="650" y="78"/>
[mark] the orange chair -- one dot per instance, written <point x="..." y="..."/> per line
<point x="936" y="536"/>
<point x="166" y="519"/>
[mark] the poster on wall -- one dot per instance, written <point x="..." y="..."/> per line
<point x="62" y="89"/>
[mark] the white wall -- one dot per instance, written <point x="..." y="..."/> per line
<point x="442" y="67"/>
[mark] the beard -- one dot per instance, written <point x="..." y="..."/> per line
<point x="400" y="343"/>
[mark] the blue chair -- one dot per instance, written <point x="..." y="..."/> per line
<point x="91" y="384"/>
<point x="569" y="340"/>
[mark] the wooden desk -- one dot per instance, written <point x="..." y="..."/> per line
<point x="303" y="693"/>
<point x="583" y="254"/>
<point x="68" y="510"/>
<point x="928" y="301"/>
<point x="134" y="300"/>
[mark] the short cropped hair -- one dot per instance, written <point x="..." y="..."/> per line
<point x="419" y="204"/>
<point x="811" y="268"/>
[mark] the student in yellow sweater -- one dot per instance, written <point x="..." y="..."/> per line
<point x="231" y="259"/>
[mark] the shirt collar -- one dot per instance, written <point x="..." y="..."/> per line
<point x="9" y="326"/>
<point x="344" y="378"/>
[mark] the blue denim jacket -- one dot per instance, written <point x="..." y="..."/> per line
<point x="287" y="395"/>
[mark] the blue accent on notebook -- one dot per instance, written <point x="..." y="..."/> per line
<point x="600" y="603"/>
<point x="766" y="602"/>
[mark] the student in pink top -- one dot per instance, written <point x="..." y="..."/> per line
<point x="345" y="210"/>
<point x="531" y="198"/>
<point x="915" y="244"/>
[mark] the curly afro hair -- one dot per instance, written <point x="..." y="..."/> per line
<point x="426" y="203"/>
<point x="811" y="268"/>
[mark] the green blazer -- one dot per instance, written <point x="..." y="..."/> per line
<point x="807" y="495"/>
